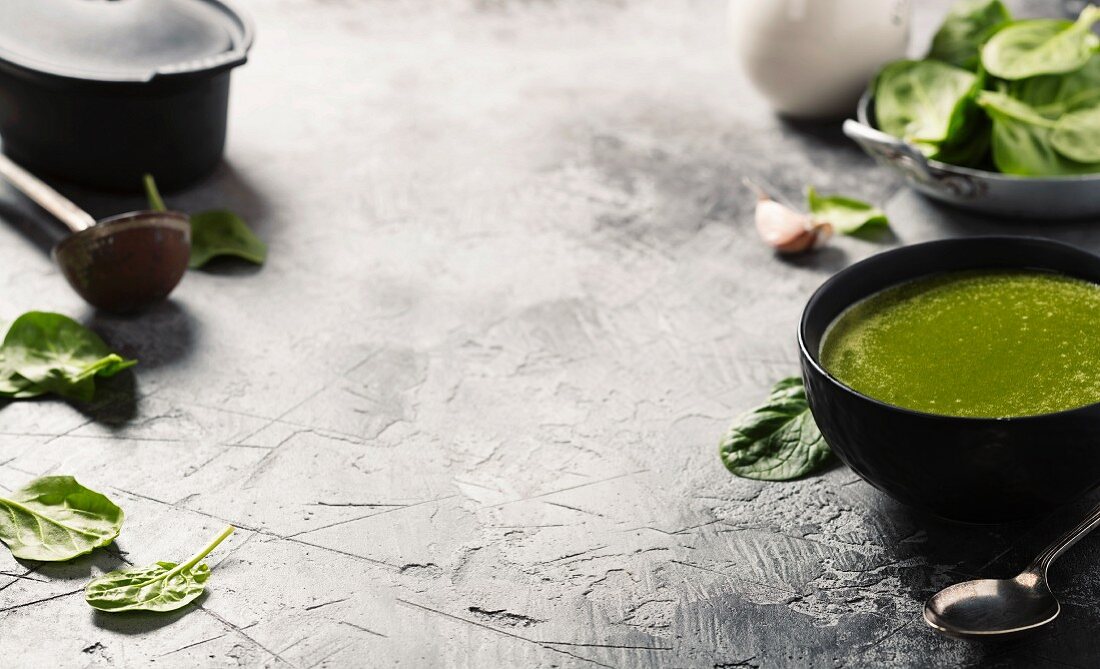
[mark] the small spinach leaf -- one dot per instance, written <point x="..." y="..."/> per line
<point x="46" y="352"/>
<point x="777" y="441"/>
<point x="223" y="233"/>
<point x="164" y="586"/>
<point x="966" y="27"/>
<point x="847" y="216"/>
<point x="54" y="518"/>
<point x="1076" y="135"/>
<point x="1021" y="140"/>
<point x="214" y="233"/>
<point x="1041" y="46"/>
<point x="923" y="102"/>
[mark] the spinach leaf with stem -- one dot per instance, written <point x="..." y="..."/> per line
<point x="966" y="27"/>
<point x="46" y="352"/>
<point x="1022" y="140"/>
<point x="847" y="215"/>
<point x="54" y="518"/>
<point x="1041" y="46"/>
<point x="215" y="233"/>
<point x="164" y="586"/>
<point x="777" y="441"/>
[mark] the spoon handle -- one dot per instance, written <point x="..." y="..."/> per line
<point x="57" y="204"/>
<point x="1041" y="563"/>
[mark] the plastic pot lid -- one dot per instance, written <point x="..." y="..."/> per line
<point x="122" y="40"/>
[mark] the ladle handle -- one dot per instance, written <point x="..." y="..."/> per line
<point x="57" y="204"/>
<point x="1047" y="557"/>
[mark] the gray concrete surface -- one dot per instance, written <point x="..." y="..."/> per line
<point x="467" y="415"/>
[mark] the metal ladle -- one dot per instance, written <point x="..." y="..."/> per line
<point x="122" y="263"/>
<point x="990" y="607"/>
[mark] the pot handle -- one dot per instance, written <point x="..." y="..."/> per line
<point x="892" y="151"/>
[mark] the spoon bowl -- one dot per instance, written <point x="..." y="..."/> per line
<point x="127" y="262"/>
<point x="989" y="606"/>
<point x="994" y="606"/>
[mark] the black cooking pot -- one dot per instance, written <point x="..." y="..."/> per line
<point x="970" y="469"/>
<point x="99" y="92"/>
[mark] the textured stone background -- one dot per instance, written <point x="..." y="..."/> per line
<point x="467" y="415"/>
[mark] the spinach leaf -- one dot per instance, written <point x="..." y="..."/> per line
<point x="1021" y="140"/>
<point x="223" y="233"/>
<point x="846" y="215"/>
<point x="1076" y="135"/>
<point x="923" y="102"/>
<point x="966" y="27"/>
<point x="214" y="233"/>
<point x="54" y="518"/>
<point x="164" y="586"/>
<point x="46" y="352"/>
<point x="1052" y="95"/>
<point x="777" y="441"/>
<point x="1041" y="46"/>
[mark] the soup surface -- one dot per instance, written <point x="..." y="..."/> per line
<point x="989" y="344"/>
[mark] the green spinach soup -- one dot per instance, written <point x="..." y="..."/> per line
<point x="989" y="344"/>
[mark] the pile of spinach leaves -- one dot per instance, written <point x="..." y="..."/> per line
<point x="1017" y="96"/>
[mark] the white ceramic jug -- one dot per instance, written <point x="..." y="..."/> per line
<point x="813" y="58"/>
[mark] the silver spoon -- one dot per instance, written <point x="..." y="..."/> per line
<point x="992" y="606"/>
<point x="122" y="263"/>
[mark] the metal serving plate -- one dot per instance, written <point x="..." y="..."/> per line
<point x="977" y="190"/>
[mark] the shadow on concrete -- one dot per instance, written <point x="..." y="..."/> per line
<point x="825" y="133"/>
<point x="141" y="622"/>
<point x="230" y="266"/>
<point x="38" y="227"/>
<point x="79" y="569"/>
<point x="161" y="335"/>
<point x="949" y="221"/>
<point x="828" y="259"/>
<point x="115" y="403"/>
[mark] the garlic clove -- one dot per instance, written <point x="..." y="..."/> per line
<point x="788" y="231"/>
<point x="808" y="240"/>
<point x="780" y="226"/>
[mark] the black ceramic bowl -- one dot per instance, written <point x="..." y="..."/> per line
<point x="967" y="469"/>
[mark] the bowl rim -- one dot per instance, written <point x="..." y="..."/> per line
<point x="812" y="358"/>
<point x="863" y="114"/>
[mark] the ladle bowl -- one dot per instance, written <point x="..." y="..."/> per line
<point x="123" y="263"/>
<point x="129" y="261"/>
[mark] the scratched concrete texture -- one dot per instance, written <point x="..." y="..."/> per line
<point x="467" y="415"/>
